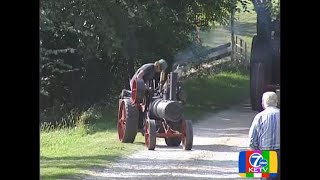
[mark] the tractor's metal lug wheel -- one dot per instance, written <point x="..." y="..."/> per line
<point x="150" y="134"/>
<point x="127" y="121"/>
<point x="187" y="134"/>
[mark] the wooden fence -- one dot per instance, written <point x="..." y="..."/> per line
<point x="241" y="51"/>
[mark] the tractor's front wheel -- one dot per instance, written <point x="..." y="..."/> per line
<point x="187" y="134"/>
<point x="150" y="134"/>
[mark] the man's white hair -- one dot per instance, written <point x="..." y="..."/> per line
<point x="270" y="99"/>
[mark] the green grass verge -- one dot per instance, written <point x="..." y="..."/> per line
<point x="66" y="152"/>
<point x="214" y="92"/>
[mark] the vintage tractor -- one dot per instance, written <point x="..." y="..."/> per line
<point x="265" y="65"/>
<point x="156" y="111"/>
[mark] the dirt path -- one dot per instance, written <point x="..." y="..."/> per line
<point x="217" y="140"/>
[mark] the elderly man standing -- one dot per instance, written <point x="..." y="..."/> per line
<point x="264" y="133"/>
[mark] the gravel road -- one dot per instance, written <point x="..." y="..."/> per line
<point x="217" y="140"/>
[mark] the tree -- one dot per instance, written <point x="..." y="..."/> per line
<point x="266" y="11"/>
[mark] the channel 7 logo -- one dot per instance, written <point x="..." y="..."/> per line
<point x="258" y="163"/>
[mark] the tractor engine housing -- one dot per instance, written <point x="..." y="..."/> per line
<point x="166" y="109"/>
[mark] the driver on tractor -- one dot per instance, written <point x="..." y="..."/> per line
<point x="148" y="71"/>
<point x="145" y="73"/>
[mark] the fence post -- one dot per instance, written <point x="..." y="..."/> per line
<point x="245" y="53"/>
<point x="241" y="50"/>
<point x="236" y="49"/>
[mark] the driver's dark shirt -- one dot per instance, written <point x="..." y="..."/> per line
<point x="149" y="72"/>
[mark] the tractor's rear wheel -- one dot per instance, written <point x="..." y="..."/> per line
<point x="257" y="85"/>
<point x="260" y="50"/>
<point x="127" y="121"/>
<point x="173" y="142"/>
<point x="187" y="134"/>
<point x="137" y="91"/>
<point x="150" y="134"/>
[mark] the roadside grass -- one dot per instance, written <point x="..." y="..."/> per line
<point x="67" y="151"/>
<point x="213" y="93"/>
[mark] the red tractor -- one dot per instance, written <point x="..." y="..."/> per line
<point x="155" y="111"/>
<point x="265" y="65"/>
